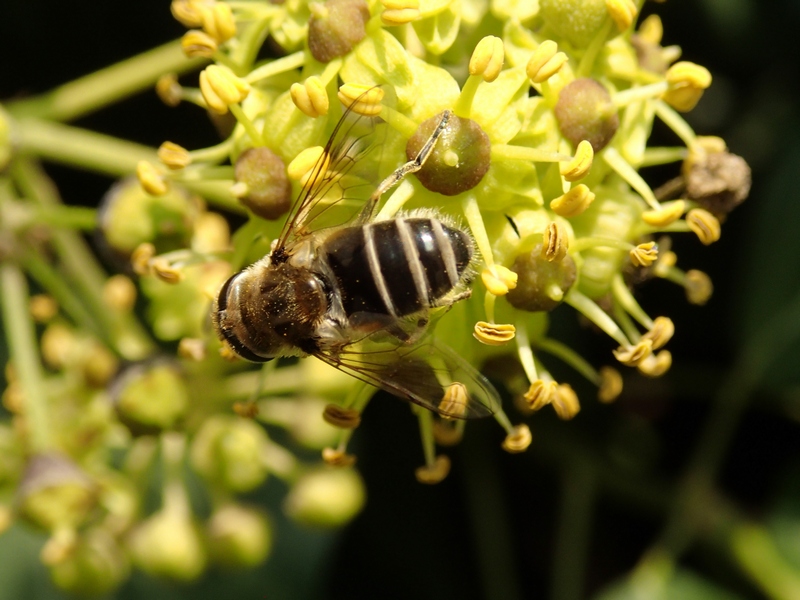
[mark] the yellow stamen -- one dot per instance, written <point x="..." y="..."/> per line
<point x="518" y="440"/>
<point x="454" y="401"/>
<point x="705" y="225"/>
<point x="361" y="99"/>
<point x="169" y="90"/>
<point x="219" y="22"/>
<point x="540" y="394"/>
<point x="632" y="355"/>
<point x="344" y="418"/>
<point x="196" y="43"/>
<point x="610" y="385"/>
<point x="578" y="167"/>
<point x="651" y="30"/>
<point x="555" y="242"/>
<point x="399" y="12"/>
<point x="545" y="62"/>
<point x="623" y="12"/>
<point x="565" y="402"/>
<point x="435" y="473"/>
<point x="174" y="156"/>
<point x="221" y="88"/>
<point x="192" y="349"/>
<point x="656" y="365"/>
<point x="119" y="293"/>
<point x="140" y="258"/>
<point x="165" y="271"/>
<point x="151" y="179"/>
<point x="574" y="202"/>
<point x="499" y="280"/>
<point x="189" y="13"/>
<point x="308" y="163"/>
<point x="687" y="82"/>
<point x="310" y="97"/>
<point x="644" y="255"/>
<point x="698" y="287"/>
<point x="669" y="213"/>
<point x="662" y="331"/>
<point x="493" y="334"/>
<point x="487" y="58"/>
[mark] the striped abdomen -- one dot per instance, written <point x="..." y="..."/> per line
<point x="397" y="267"/>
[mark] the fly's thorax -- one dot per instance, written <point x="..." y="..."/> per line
<point x="270" y="310"/>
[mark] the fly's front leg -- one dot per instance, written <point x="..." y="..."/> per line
<point x="411" y="166"/>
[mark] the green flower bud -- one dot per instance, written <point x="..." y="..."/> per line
<point x="576" y="20"/>
<point x="239" y="536"/>
<point x="584" y="111"/>
<point x="541" y="284"/>
<point x="96" y="565"/>
<point x="130" y="217"/>
<point x="265" y="187"/>
<point x="228" y="450"/>
<point x="55" y="493"/>
<point x="326" y="497"/>
<point x="169" y="544"/>
<point x="336" y="27"/>
<point x="150" y="397"/>
<point x="459" y="160"/>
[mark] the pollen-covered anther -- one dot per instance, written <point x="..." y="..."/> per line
<point x="165" y="271"/>
<point x="454" y="401"/>
<point x="399" y="12"/>
<point x="540" y="394"/>
<point x="623" y="12"/>
<point x="632" y="355"/>
<point x="656" y="365"/>
<point x="668" y="213"/>
<point x="151" y="179"/>
<point x="499" y="280"/>
<point x="580" y="165"/>
<point x="141" y="257"/>
<point x="228" y="353"/>
<point x="545" y="62"/>
<point x="344" y="418"/>
<point x="565" y="402"/>
<point x="555" y="242"/>
<point x="518" y="440"/>
<point x="661" y="332"/>
<point x="651" y="30"/>
<point x="338" y="458"/>
<point x="169" y="90"/>
<point x="644" y="255"/>
<point x="192" y="349"/>
<point x="610" y="385"/>
<point x="221" y="87"/>
<point x="687" y="82"/>
<point x="198" y="44"/>
<point x="494" y="334"/>
<point x="310" y="97"/>
<point x="189" y="13"/>
<point x="362" y="99"/>
<point x="705" y="225"/>
<point x="435" y="473"/>
<point x="487" y="58"/>
<point x="309" y="162"/>
<point x="173" y="156"/>
<point x="574" y="202"/>
<point x="698" y="287"/>
<point x="218" y="22"/>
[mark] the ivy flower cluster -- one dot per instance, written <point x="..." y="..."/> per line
<point x="553" y="105"/>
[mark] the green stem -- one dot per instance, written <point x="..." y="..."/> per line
<point x="81" y="218"/>
<point x="104" y="154"/>
<point x="124" y="333"/>
<point x="21" y="336"/>
<point x="768" y="342"/>
<point x="106" y="86"/>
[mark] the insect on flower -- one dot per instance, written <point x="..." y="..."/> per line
<point x="361" y="295"/>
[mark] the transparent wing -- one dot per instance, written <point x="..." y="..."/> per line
<point x="333" y="178"/>
<point x="427" y="373"/>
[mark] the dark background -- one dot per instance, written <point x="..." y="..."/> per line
<point x="493" y="528"/>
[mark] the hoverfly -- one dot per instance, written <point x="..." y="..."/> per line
<point x="359" y="295"/>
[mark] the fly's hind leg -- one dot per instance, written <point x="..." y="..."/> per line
<point x="411" y="166"/>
